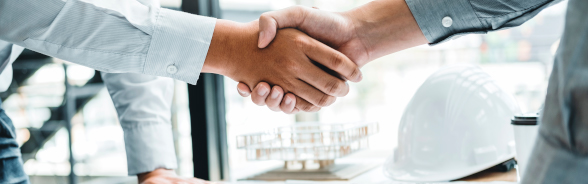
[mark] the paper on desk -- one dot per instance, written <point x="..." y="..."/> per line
<point x="394" y="182"/>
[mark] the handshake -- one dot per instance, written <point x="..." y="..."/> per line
<point x="300" y="58"/>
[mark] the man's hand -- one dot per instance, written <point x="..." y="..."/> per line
<point x="338" y="30"/>
<point x="165" y="176"/>
<point x="291" y="62"/>
<point x="363" y="34"/>
<point x="334" y="29"/>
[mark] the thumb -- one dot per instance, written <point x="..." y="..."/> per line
<point x="269" y="22"/>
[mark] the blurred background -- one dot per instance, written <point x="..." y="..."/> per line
<point x="520" y="60"/>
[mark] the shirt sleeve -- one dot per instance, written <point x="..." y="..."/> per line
<point x="8" y="54"/>
<point x="111" y="35"/>
<point x="143" y="104"/>
<point x="442" y="20"/>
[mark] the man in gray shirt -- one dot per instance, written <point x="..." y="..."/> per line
<point x="382" y="27"/>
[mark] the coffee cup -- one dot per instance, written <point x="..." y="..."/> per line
<point x="525" y="132"/>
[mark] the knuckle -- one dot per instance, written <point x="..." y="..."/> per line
<point x="284" y="109"/>
<point x="299" y="12"/>
<point x="309" y="108"/>
<point x="287" y="85"/>
<point x="333" y="87"/>
<point x="336" y="61"/>
<point x="355" y="73"/>
<point x="264" y="16"/>
<point x="272" y="103"/>
<point x="326" y="100"/>
<point x="258" y="100"/>
<point x="314" y="109"/>
<point x="306" y="107"/>
<point x="301" y="42"/>
<point x="298" y="8"/>
<point x="291" y="66"/>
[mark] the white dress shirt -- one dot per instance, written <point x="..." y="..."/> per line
<point x="143" y="104"/>
<point x="8" y="54"/>
<point x="116" y="36"/>
<point x="132" y="36"/>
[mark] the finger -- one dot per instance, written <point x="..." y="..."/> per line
<point x="330" y="58"/>
<point x="243" y="89"/>
<point x="260" y="93"/>
<point x="310" y="95"/>
<point x="269" y="22"/>
<point x="303" y="105"/>
<point x="274" y="98"/>
<point x="288" y="103"/>
<point x="324" y="81"/>
<point x="296" y="110"/>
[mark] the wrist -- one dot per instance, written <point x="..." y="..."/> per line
<point x="386" y="26"/>
<point x="226" y="46"/>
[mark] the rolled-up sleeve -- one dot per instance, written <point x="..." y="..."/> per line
<point x="121" y="36"/>
<point x="442" y="20"/>
<point x="143" y="104"/>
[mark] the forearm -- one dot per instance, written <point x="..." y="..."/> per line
<point x="386" y="26"/>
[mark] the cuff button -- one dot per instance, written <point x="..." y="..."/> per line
<point x="172" y="69"/>
<point x="447" y="21"/>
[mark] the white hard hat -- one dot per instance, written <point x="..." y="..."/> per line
<point x="455" y="125"/>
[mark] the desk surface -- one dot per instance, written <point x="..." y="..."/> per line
<point x="486" y="176"/>
<point x="377" y="176"/>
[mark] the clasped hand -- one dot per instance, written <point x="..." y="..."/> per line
<point x="334" y="29"/>
<point x="313" y="73"/>
<point x="363" y="34"/>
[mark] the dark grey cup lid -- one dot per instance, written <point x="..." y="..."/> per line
<point x="525" y="119"/>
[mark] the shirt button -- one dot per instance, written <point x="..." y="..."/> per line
<point x="447" y="21"/>
<point x="172" y="69"/>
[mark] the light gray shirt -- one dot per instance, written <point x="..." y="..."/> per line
<point x="471" y="16"/>
<point x="560" y="154"/>
<point x="134" y="36"/>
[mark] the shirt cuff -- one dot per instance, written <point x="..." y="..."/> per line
<point x="149" y="146"/>
<point x="429" y="15"/>
<point x="179" y="45"/>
